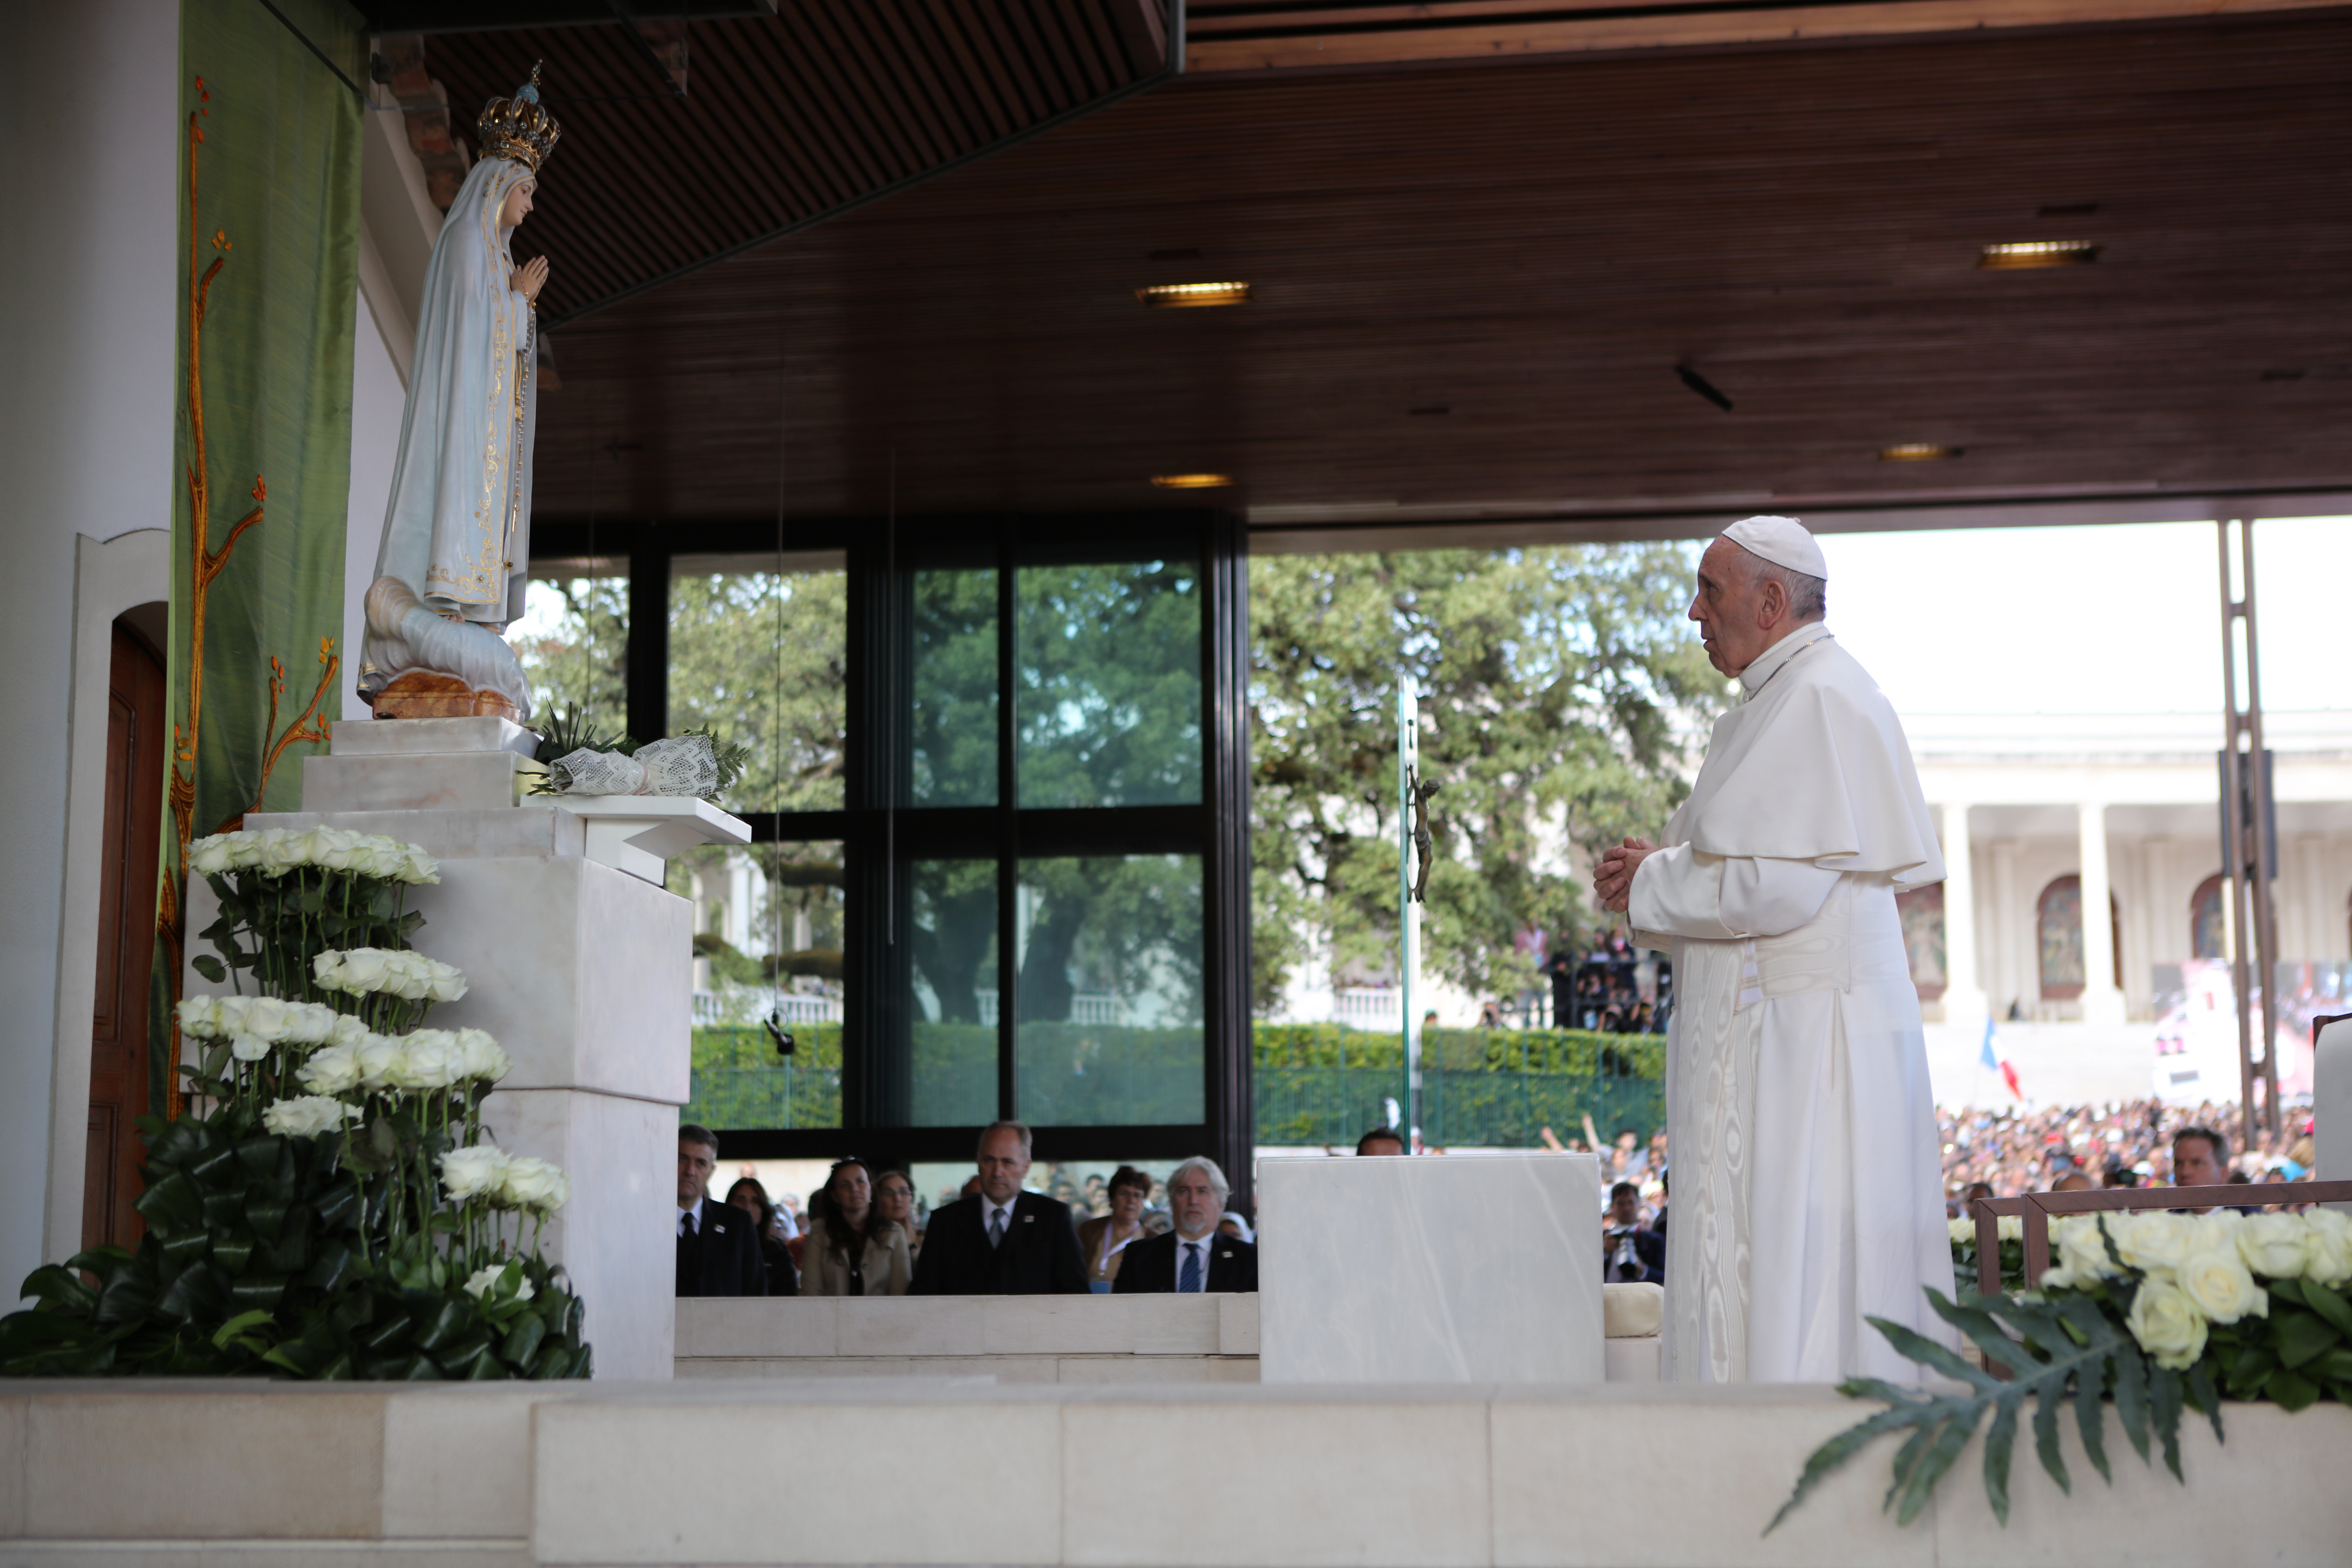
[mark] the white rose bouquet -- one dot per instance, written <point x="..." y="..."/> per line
<point x="2162" y="1312"/>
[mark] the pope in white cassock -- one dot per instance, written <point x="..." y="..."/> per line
<point x="1808" y="1191"/>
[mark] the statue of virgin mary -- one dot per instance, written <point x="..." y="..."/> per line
<point x="454" y="565"/>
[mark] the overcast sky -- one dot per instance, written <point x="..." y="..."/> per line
<point x="2113" y="619"/>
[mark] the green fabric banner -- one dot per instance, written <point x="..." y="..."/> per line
<point x="270" y="191"/>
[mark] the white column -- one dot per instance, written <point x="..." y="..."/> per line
<point x="1963" y="993"/>
<point x="2011" y="983"/>
<point x="2102" y="1002"/>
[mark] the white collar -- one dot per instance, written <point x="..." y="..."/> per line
<point x="1770" y="662"/>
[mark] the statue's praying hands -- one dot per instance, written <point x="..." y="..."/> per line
<point x="530" y="277"/>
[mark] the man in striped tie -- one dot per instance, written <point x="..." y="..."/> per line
<point x="1193" y="1257"/>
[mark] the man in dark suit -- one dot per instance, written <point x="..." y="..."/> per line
<point x="1193" y="1257"/>
<point x="718" y="1247"/>
<point x="1000" y="1241"/>
<point x="1630" y="1253"/>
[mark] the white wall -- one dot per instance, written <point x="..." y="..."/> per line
<point x="88" y="285"/>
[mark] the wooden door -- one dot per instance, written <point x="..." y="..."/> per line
<point x="126" y="940"/>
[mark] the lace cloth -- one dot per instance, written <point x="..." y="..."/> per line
<point x="681" y="765"/>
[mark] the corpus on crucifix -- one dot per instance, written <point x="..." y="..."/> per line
<point x="454" y="561"/>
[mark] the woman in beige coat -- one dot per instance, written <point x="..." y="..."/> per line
<point x="852" y="1250"/>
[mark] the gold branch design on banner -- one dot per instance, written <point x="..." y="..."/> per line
<point x="206" y="564"/>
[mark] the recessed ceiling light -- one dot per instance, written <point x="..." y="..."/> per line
<point x="1184" y="294"/>
<point x="1917" y="452"/>
<point x="1191" y="481"/>
<point x="2039" y="253"/>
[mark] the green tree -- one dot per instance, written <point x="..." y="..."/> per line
<point x="1559" y="691"/>
<point x="763" y="659"/>
<point x="582" y="659"/>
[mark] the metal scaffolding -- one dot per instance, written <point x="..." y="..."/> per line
<point x="2249" y="841"/>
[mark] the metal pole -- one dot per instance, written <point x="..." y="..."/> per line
<point x="2234" y="857"/>
<point x="2263" y="892"/>
<point x="1408" y="912"/>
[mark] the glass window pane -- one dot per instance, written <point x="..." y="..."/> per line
<point x="1110" y="662"/>
<point x="1111" y="1025"/>
<point x="761" y="658"/>
<point x="574" y="640"/>
<point x="953" y="949"/>
<point x="768" y="930"/>
<point x="951" y="749"/>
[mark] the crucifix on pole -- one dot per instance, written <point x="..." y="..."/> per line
<point x="1415" y="851"/>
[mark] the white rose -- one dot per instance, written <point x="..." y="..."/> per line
<point x="306" y="1116"/>
<point x="534" y="1183"/>
<point x="363" y="969"/>
<point x="415" y="867"/>
<point x="2009" y="1226"/>
<point x="2167" y="1325"/>
<point x="2327" y="1240"/>
<point x="314" y="1025"/>
<point x="268" y="1018"/>
<point x="245" y="849"/>
<point x="407" y="978"/>
<point x="2154" y="1242"/>
<point x="335" y="1070"/>
<point x="2276" y="1246"/>
<point x="211" y="857"/>
<point x="2082" y="1249"/>
<point x="481" y="1056"/>
<point x="491" y="1276"/>
<point x="428" y="1059"/>
<point x="349" y="1030"/>
<point x="282" y="852"/>
<point x="471" y="1172"/>
<point x="2218" y="1282"/>
<point x="249" y="1048"/>
<point x="199" y="1016"/>
<point x="446" y="983"/>
<point x="379" y="1057"/>
<point x="313" y="844"/>
<point x="228" y="1015"/>
<point x="1963" y="1231"/>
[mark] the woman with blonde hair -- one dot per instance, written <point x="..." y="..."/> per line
<point x="852" y="1250"/>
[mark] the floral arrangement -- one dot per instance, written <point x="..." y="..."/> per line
<point x="2156" y="1311"/>
<point x="583" y="760"/>
<point x="330" y="1208"/>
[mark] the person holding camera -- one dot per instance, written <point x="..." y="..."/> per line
<point x="1630" y="1252"/>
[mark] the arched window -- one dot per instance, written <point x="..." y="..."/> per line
<point x="2209" y="921"/>
<point x="2058" y="930"/>
<point x="1922" y="910"/>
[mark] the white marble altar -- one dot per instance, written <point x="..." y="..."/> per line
<point x="1463" y="1271"/>
<point x="583" y="972"/>
<point x="639" y="833"/>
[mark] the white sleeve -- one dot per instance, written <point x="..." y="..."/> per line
<point x="1682" y="892"/>
<point x="1678" y="892"/>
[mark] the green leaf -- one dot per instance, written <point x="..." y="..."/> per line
<point x="2046" y="1443"/>
<point x="2164" y="1407"/>
<point x="2337" y="1364"/>
<point x="2299" y="1337"/>
<point x="2000" y="1440"/>
<point x="2250" y="1371"/>
<point x="2292" y="1391"/>
<point x="2091" y="1417"/>
<point x="171" y="1204"/>
<point x="211" y="968"/>
<point x="238" y="1325"/>
<point x="522" y="1343"/>
<point x="2129" y="1375"/>
<point x="2324" y="1300"/>
<point x="2202" y="1395"/>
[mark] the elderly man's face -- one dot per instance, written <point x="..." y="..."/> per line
<point x="1739" y="618"/>
<point x="1002" y="1163"/>
<point x="695" y="1163"/>
<point x="1195" y="1202"/>
<point x="2193" y="1165"/>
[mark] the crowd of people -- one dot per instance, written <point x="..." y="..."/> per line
<point x="2015" y="1152"/>
<point x="867" y="1232"/>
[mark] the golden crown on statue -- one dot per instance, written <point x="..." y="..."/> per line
<point x="519" y="127"/>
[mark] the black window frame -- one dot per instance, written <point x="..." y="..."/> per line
<point x="881" y="835"/>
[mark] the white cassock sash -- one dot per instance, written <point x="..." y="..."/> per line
<point x="1808" y="1190"/>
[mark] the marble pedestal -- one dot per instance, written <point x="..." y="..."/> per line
<point x="1464" y="1271"/>
<point x="583" y="972"/>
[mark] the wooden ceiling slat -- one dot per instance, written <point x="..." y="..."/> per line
<point x="943" y="22"/>
<point x="869" y="85"/>
<point x="945" y="98"/>
<point x="906" y="78"/>
<point x="1534" y="247"/>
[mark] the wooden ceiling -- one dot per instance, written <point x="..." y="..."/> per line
<point x="1473" y="284"/>
<point x="684" y="139"/>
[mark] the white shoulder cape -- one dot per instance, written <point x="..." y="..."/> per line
<point x="1813" y="767"/>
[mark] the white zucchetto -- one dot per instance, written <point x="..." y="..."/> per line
<point x="1782" y="540"/>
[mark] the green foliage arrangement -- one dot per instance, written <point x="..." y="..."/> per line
<point x="2155" y="1312"/>
<point x="328" y="1208"/>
